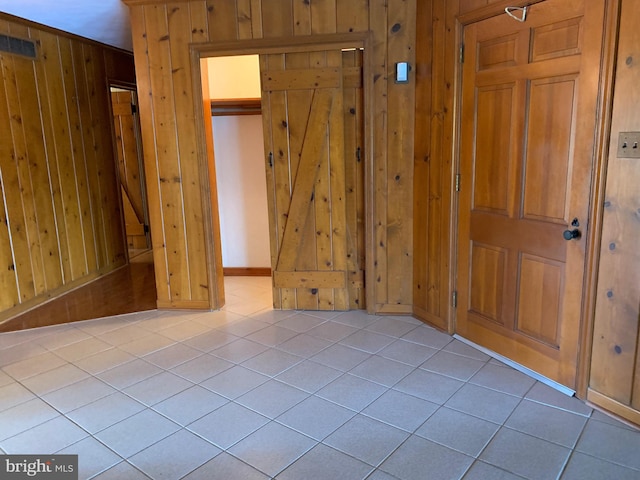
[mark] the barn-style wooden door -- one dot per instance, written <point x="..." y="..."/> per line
<point x="312" y="115"/>
<point x="127" y="132"/>
<point x="528" y="125"/>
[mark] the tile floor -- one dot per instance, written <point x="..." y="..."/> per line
<point x="252" y="393"/>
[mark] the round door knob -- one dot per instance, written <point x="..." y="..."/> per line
<point x="571" y="234"/>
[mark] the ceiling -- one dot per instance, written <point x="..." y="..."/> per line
<point x="106" y="21"/>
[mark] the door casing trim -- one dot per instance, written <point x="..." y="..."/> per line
<point x="307" y="43"/>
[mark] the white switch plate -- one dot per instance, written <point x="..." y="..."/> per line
<point x="402" y="72"/>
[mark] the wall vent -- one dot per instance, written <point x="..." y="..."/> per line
<point x="17" y="46"/>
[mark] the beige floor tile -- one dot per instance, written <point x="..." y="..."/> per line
<point x="272" y="448"/>
<point x="458" y="431"/>
<point x="137" y="432"/>
<point x="105" y="412"/>
<point x="55" y="379"/>
<point x="401" y="410"/>
<point x="525" y="455"/>
<point x="483" y="403"/>
<point x="558" y="426"/>
<point x="14" y="394"/>
<point x="611" y="443"/>
<point x="129" y="373"/>
<point x="183" y="450"/>
<point x="315" y="417"/>
<point x="387" y="409"/>
<point x="35" y="365"/>
<point x="121" y="471"/>
<point x="417" y="456"/>
<point x="190" y="405"/>
<point x="585" y="467"/>
<point x="93" y="457"/>
<point x="325" y="463"/>
<point x="46" y="438"/>
<point x="25" y="416"/>
<point x="366" y="439"/>
<point x="104" y="360"/>
<point x="78" y="394"/>
<point x="83" y="348"/>
<point x="228" y="425"/>
<point x="157" y="388"/>
<point x="226" y="467"/>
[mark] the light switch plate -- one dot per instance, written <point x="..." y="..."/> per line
<point x="402" y="72"/>
<point x="629" y="145"/>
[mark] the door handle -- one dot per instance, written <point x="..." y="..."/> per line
<point x="572" y="234"/>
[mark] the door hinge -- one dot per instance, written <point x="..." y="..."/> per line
<point x="358" y="155"/>
<point x="146" y="229"/>
<point x="271" y="159"/>
<point x="458" y="182"/>
<point x="134" y="109"/>
<point x="454" y="298"/>
<point x="461" y="53"/>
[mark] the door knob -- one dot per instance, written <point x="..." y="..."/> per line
<point x="571" y="234"/>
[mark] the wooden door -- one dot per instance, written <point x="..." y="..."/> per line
<point x="312" y="129"/>
<point x="527" y="129"/>
<point x="129" y="153"/>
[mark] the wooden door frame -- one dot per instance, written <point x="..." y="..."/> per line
<point x="598" y="174"/>
<point x="298" y="44"/>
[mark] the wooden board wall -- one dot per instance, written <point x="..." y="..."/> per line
<point x="60" y="218"/>
<point x="162" y="33"/>
<point x="435" y="80"/>
<point x="615" y="363"/>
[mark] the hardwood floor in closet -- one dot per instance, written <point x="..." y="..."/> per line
<point x="129" y="289"/>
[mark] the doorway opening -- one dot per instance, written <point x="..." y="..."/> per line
<point x="313" y="116"/>
<point x="236" y="117"/>
<point x="140" y="272"/>
<point x="124" y="103"/>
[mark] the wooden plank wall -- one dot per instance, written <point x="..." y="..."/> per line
<point x="435" y="80"/>
<point x="60" y="218"/>
<point x="162" y="32"/>
<point x="615" y="363"/>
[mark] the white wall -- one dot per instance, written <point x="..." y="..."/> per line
<point x="239" y="153"/>
<point x="242" y="191"/>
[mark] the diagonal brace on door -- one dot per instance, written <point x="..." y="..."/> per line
<point x="314" y="148"/>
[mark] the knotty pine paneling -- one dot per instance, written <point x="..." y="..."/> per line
<point x="60" y="215"/>
<point x="162" y="32"/>
<point x="401" y="41"/>
<point x="615" y="358"/>
<point x="435" y="79"/>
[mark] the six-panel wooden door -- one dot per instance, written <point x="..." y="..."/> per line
<point x="312" y="115"/>
<point x="527" y="127"/>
